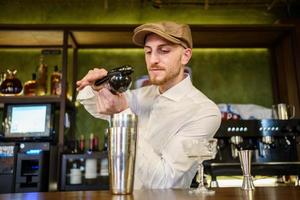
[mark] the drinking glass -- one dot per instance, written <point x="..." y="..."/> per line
<point x="200" y="149"/>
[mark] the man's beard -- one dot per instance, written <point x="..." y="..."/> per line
<point x="169" y="76"/>
<point x="155" y="81"/>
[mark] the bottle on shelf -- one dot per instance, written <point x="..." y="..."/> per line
<point x="30" y="86"/>
<point x="11" y="85"/>
<point x="105" y="145"/>
<point x="91" y="142"/>
<point x="75" y="175"/>
<point x="81" y="144"/>
<point x="56" y="81"/>
<point x="96" y="143"/>
<point x="2" y="77"/>
<point x="42" y="78"/>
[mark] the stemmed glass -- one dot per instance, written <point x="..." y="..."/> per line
<point x="200" y="149"/>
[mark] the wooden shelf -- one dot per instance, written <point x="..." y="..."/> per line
<point x="30" y="99"/>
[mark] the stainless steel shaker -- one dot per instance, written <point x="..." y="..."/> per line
<point x="121" y="151"/>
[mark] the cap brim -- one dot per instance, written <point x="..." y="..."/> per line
<point x="139" y="37"/>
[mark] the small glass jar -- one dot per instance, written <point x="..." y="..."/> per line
<point x="11" y="85"/>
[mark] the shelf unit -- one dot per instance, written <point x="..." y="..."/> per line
<point x="101" y="182"/>
<point x="39" y="37"/>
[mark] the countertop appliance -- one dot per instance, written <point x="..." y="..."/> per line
<point x="275" y="145"/>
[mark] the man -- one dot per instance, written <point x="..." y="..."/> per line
<point x="169" y="111"/>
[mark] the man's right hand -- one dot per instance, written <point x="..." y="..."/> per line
<point x="91" y="77"/>
<point x="107" y="103"/>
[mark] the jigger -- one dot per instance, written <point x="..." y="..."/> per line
<point x="245" y="159"/>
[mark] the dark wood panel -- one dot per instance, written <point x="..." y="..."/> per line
<point x="286" y="73"/>
<point x="30" y="99"/>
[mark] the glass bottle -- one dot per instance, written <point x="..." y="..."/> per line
<point x="42" y="78"/>
<point x="81" y="143"/>
<point x="30" y="86"/>
<point x="11" y="85"/>
<point x="91" y="142"/>
<point x="56" y="81"/>
<point x="2" y="77"/>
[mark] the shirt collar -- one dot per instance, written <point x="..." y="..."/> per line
<point x="179" y="90"/>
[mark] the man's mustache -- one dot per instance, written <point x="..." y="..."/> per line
<point x="156" y="67"/>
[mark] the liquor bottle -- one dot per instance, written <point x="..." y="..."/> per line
<point x="30" y="86"/>
<point x="2" y="77"/>
<point x="96" y="143"/>
<point x="91" y="142"/>
<point x="56" y="81"/>
<point x="11" y="85"/>
<point x="42" y="78"/>
<point x="105" y="147"/>
<point x="81" y="143"/>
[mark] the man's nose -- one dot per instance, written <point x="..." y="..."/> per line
<point x="154" y="58"/>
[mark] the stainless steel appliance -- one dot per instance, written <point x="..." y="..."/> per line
<point x="274" y="143"/>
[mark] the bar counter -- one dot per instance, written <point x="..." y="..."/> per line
<point x="260" y="193"/>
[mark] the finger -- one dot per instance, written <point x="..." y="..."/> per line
<point x="95" y="74"/>
<point x="81" y="84"/>
<point x="91" y="77"/>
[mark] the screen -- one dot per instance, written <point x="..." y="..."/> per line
<point x="28" y="120"/>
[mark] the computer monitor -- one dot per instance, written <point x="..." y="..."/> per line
<point x="28" y="121"/>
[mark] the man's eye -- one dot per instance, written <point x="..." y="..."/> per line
<point x="165" y="50"/>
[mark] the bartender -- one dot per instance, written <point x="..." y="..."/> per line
<point x="170" y="110"/>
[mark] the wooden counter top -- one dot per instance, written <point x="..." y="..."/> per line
<point x="260" y="193"/>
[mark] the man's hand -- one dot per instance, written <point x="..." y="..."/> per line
<point x="108" y="103"/>
<point x="90" y="78"/>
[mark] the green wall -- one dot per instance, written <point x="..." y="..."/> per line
<point x="127" y="12"/>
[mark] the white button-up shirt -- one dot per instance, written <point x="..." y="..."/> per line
<point x="164" y="121"/>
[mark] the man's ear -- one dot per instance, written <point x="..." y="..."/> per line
<point x="187" y="54"/>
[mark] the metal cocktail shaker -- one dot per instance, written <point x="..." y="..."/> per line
<point x="121" y="152"/>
